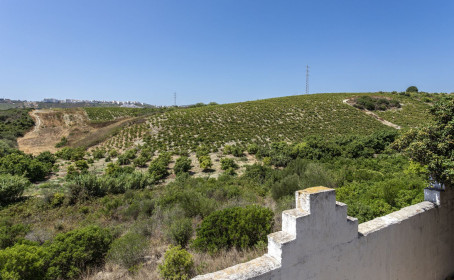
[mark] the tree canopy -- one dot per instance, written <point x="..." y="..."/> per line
<point x="412" y="89"/>
<point x="433" y="145"/>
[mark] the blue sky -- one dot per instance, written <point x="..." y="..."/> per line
<point x="221" y="50"/>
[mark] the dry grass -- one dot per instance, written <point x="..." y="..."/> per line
<point x="204" y="263"/>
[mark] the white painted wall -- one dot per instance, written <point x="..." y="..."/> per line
<point x="319" y="241"/>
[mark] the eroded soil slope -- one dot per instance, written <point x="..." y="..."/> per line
<point x="50" y="126"/>
<point x="53" y="124"/>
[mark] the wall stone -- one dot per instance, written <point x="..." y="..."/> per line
<point x="319" y="241"/>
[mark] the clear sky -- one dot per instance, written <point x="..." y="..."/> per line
<point x="221" y="50"/>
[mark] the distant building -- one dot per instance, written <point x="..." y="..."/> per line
<point x="51" y="100"/>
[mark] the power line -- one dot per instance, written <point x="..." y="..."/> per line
<point x="307" y="79"/>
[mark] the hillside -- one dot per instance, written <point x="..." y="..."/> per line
<point x="287" y="119"/>
<point x="51" y="125"/>
<point x="144" y="197"/>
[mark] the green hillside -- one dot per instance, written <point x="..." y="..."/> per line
<point x="288" y="119"/>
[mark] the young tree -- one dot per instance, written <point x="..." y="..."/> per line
<point x="182" y="165"/>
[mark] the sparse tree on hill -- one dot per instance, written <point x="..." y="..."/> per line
<point x="412" y="89"/>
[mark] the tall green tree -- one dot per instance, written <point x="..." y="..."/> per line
<point x="433" y="145"/>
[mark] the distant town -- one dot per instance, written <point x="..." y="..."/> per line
<point x="6" y="103"/>
<point x="66" y="103"/>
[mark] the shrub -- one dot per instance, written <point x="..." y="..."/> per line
<point x="10" y="234"/>
<point x="240" y="227"/>
<point x="227" y="163"/>
<point x="113" y="153"/>
<point x="158" y="166"/>
<point x="90" y="184"/>
<point x="11" y="187"/>
<point x="23" y="261"/>
<point x="63" y="142"/>
<point x="195" y="204"/>
<point x="180" y="231"/>
<point x="202" y="151"/>
<point x="287" y="186"/>
<point x="205" y="162"/>
<point x="99" y="153"/>
<point x="182" y="165"/>
<point x="228" y="149"/>
<point x="258" y="173"/>
<point x="46" y="157"/>
<point x="178" y="264"/>
<point x="372" y="103"/>
<point x="128" y="250"/>
<point x="237" y="151"/>
<point x="130" y="154"/>
<point x="71" y="172"/>
<point x="70" y="253"/>
<point x="68" y="153"/>
<point x="82" y="165"/>
<point x="252" y="149"/>
<point x="140" y="161"/>
<point x="123" y="160"/>
<point x="24" y="165"/>
<point x="115" y="170"/>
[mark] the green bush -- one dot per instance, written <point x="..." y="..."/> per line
<point x="178" y="264"/>
<point x="202" y="151"/>
<point x="128" y="250"/>
<point x="46" y="157"/>
<point x="140" y="161"/>
<point x="63" y="142"/>
<point x="258" y="173"/>
<point x="11" y="233"/>
<point x="239" y="227"/>
<point x="158" y="166"/>
<point x="182" y="165"/>
<point x="113" y="153"/>
<point x="287" y="186"/>
<point x="23" y="261"/>
<point x="237" y="151"/>
<point x="252" y="149"/>
<point x="205" y="162"/>
<point x="280" y="154"/>
<point x="20" y="164"/>
<point x="227" y="163"/>
<point x="374" y="103"/>
<point x="69" y="153"/>
<point x="11" y="187"/>
<point x="115" y="170"/>
<point x="180" y="231"/>
<point x="99" y="153"/>
<point x="72" y="252"/>
<point x="82" y="165"/>
<point x="90" y="184"/>
<point x="123" y="160"/>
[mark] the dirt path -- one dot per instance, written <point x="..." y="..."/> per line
<point x="375" y="116"/>
<point x="37" y="120"/>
